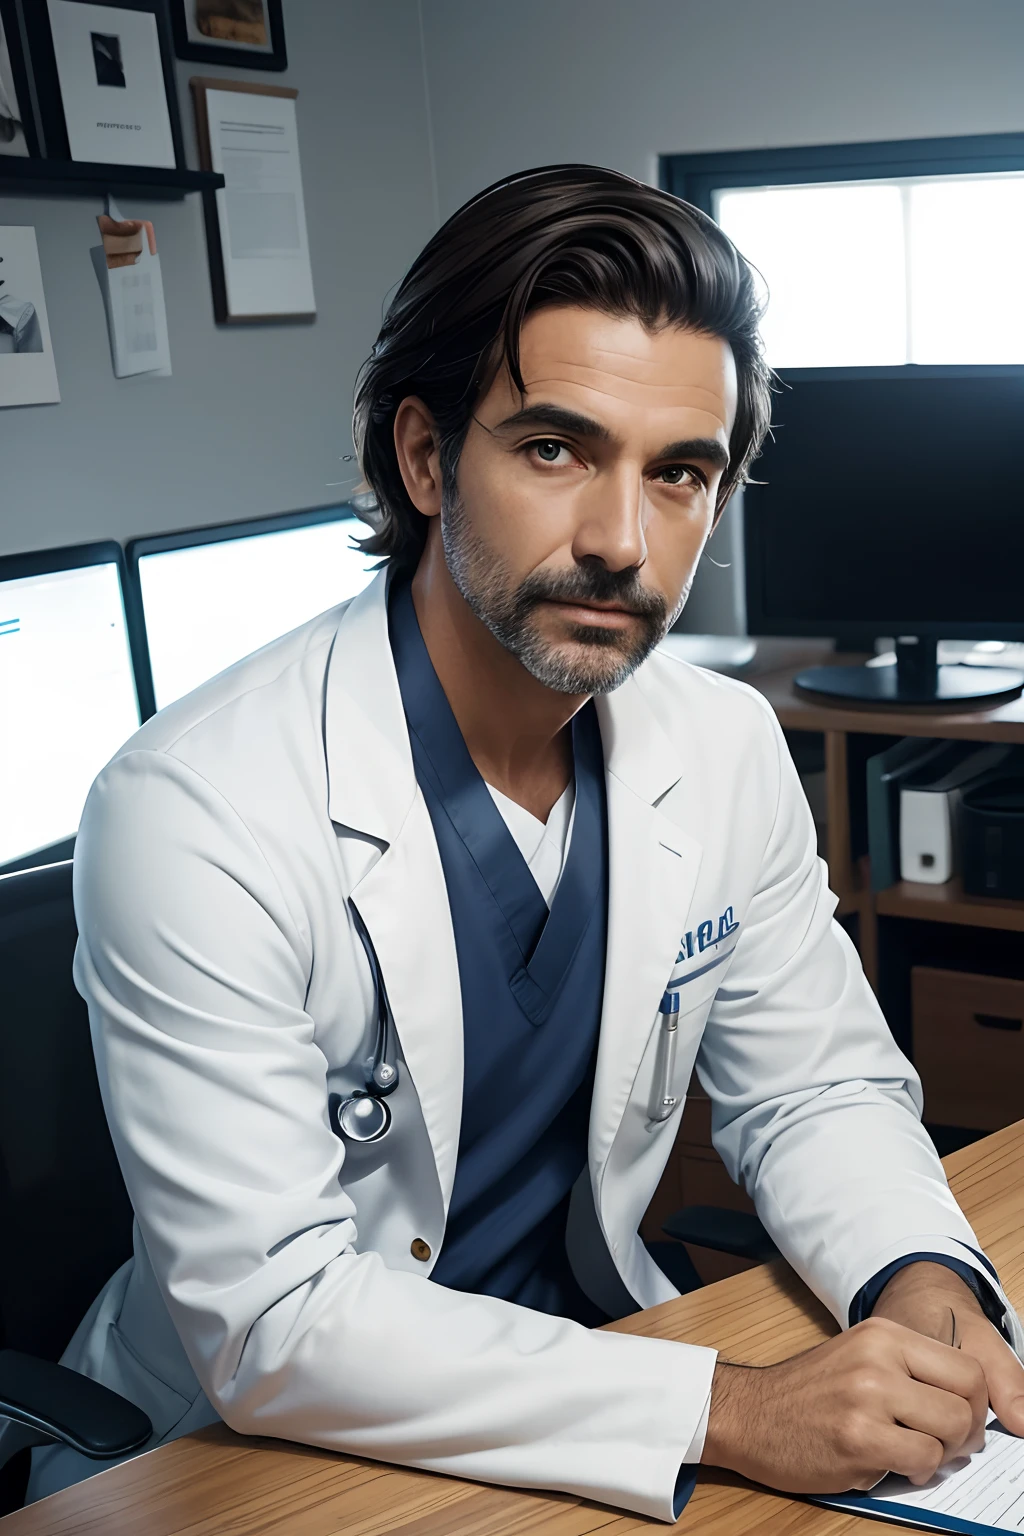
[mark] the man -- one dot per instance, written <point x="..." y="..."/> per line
<point x="387" y="931"/>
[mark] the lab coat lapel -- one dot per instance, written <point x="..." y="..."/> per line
<point x="653" y="868"/>
<point x="401" y="897"/>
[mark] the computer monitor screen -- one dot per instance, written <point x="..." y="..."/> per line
<point x="67" y="690"/>
<point x="212" y="596"/>
<point x="891" y="506"/>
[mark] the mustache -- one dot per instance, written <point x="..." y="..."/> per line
<point x="592" y="583"/>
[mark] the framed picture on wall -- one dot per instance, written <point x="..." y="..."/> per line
<point x="18" y="130"/>
<point x="104" y="74"/>
<point x="256" y="224"/>
<point x="27" y="372"/>
<point x="246" y="33"/>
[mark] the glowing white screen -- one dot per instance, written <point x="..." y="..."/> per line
<point x="966" y="274"/>
<point x="874" y="273"/>
<point x="67" y="699"/>
<point x="832" y="259"/>
<point x="209" y="605"/>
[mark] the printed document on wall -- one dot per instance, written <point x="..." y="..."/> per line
<point x="254" y="144"/>
<point x="128" y="271"/>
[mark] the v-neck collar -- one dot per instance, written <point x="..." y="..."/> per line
<point x="546" y="941"/>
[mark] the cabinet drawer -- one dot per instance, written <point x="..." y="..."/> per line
<point x="969" y="1047"/>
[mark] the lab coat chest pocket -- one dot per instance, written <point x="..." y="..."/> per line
<point x="703" y="961"/>
<point x="685" y="1005"/>
<point x="669" y="1058"/>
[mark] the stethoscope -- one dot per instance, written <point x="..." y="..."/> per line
<point x="365" y="1115"/>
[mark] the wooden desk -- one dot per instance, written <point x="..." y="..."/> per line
<point x="216" y="1482"/>
<point x="805" y="712"/>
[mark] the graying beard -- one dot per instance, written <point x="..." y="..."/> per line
<point x="482" y="579"/>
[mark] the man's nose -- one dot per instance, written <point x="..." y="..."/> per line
<point x="613" y="521"/>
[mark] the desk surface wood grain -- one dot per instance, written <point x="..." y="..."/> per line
<point x="216" y="1483"/>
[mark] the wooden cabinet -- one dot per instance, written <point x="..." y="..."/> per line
<point x="968" y="1045"/>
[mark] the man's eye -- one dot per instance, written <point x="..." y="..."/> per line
<point x="678" y="474"/>
<point x="547" y="450"/>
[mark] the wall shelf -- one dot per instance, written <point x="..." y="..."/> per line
<point x="949" y="904"/>
<point x="78" y="178"/>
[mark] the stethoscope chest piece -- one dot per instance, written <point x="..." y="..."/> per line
<point x="362" y="1117"/>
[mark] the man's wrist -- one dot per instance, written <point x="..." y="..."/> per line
<point x="724" y="1415"/>
<point x="926" y="1275"/>
<point x="929" y="1298"/>
<point x="974" y="1277"/>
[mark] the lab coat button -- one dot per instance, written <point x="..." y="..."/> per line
<point x="419" y="1249"/>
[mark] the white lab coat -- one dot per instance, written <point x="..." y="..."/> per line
<point x="273" y="1281"/>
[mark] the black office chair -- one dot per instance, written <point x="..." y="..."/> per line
<point x="711" y="1226"/>
<point x="65" y="1217"/>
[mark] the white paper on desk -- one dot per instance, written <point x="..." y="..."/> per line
<point x="133" y="298"/>
<point x="977" y="1494"/>
<point x="254" y="143"/>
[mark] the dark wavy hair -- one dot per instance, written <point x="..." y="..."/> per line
<point x="563" y="234"/>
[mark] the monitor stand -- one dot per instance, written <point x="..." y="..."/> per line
<point x="916" y="679"/>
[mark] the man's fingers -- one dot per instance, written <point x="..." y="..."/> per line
<point x="911" y="1454"/>
<point x="953" y="1370"/>
<point x="943" y="1416"/>
<point x="1004" y="1374"/>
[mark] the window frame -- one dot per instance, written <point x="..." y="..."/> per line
<point x="697" y="177"/>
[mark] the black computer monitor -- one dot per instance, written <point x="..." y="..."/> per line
<point x="68" y="695"/>
<point x="209" y="596"/>
<point x="893" y="506"/>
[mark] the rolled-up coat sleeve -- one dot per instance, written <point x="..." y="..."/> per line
<point x="814" y="1108"/>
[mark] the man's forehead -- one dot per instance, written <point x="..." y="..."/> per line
<point x="611" y="363"/>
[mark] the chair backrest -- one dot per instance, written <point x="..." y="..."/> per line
<point x="65" y="1217"/>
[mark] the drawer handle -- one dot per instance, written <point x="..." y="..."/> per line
<point x="997" y="1021"/>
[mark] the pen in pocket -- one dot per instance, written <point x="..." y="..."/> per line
<point x="663" y="1100"/>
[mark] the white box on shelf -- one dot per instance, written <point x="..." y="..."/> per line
<point x="930" y="813"/>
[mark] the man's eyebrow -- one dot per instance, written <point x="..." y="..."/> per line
<point x="564" y="420"/>
<point x="557" y="416"/>
<point x="707" y="448"/>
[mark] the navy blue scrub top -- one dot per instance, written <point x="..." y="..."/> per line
<point x="532" y="985"/>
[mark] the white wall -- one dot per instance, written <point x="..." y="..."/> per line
<point x="618" y="82"/>
<point x="255" y="418"/>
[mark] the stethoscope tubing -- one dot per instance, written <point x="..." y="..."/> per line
<point x="364" y="1116"/>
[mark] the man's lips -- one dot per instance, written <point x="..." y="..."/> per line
<point x="593" y="611"/>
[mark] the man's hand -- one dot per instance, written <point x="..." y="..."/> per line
<point x="880" y="1398"/>
<point x="934" y="1301"/>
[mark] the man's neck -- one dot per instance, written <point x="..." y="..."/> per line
<point x="514" y="727"/>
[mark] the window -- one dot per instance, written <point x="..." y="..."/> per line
<point x="881" y="255"/>
<point x="875" y="272"/>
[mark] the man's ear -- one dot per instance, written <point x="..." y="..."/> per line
<point x="419" y="456"/>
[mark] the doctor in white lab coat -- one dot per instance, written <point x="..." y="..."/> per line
<point x="241" y="847"/>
